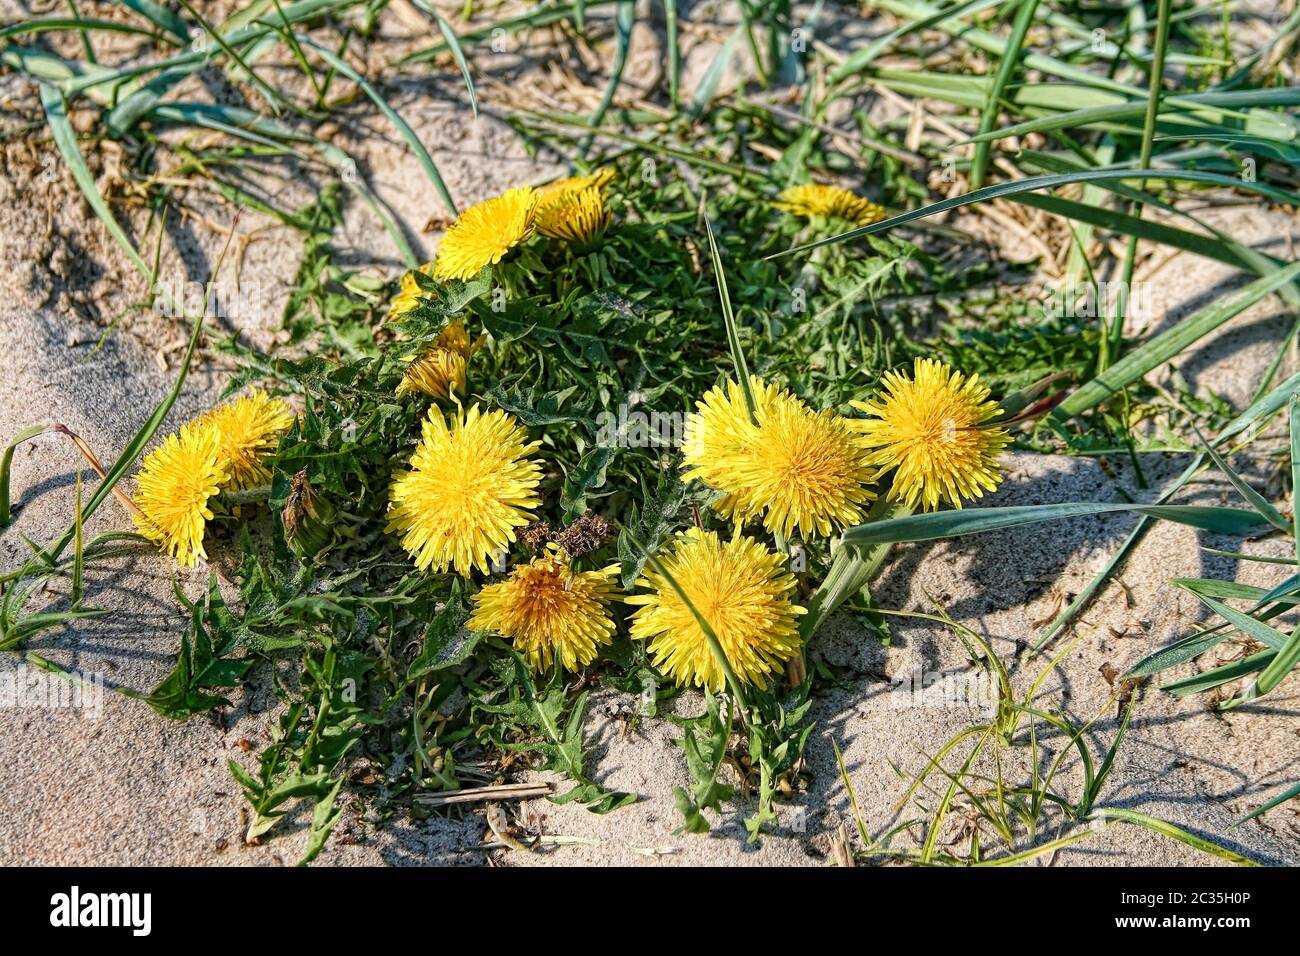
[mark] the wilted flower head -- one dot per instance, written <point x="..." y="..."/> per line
<point x="575" y="216"/>
<point x="550" y="611"/>
<point x="441" y="368"/>
<point x="571" y="185"/>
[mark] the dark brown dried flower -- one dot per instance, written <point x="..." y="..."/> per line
<point x="589" y="533"/>
<point x="536" y="536"/>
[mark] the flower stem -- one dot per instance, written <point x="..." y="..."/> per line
<point x="851" y="570"/>
<point x="246" y="495"/>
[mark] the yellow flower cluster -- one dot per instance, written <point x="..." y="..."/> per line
<point x="812" y="471"/>
<point x="472" y="483"/>
<point x="572" y="209"/>
<point x="223" y="450"/>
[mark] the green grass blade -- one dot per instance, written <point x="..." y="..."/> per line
<point x="729" y="319"/>
<point x="539" y="16"/>
<point x="861" y="58"/>
<point x="1168" y="829"/>
<point x="1252" y="497"/>
<point x="1031" y="184"/>
<point x="1218" y="676"/>
<point x="1218" y="248"/>
<point x="950" y="524"/>
<point x="1236" y="591"/>
<point x="1246" y="624"/>
<point x="1006" y="67"/>
<point x="273" y="98"/>
<point x="624" y="21"/>
<point x="1293" y="421"/>
<point x="403" y="130"/>
<point x="708" y="85"/>
<point x="78" y="549"/>
<point x="674" y="52"/>
<point x="59" y="24"/>
<point x="1115" y="332"/>
<point x="1025" y="856"/>
<point x="160" y="17"/>
<point x="1274" y="672"/>
<point x="65" y="138"/>
<point x="1290" y="792"/>
<point x="457" y="54"/>
<point x="1166" y="345"/>
<point x="1193" y="108"/>
<point x="6" y="465"/>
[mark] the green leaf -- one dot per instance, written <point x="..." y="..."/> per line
<point x="949" y="524"/>
<point x="704" y="743"/>
<point x="446" y="641"/>
<point x="657" y="516"/>
<point x="201" y="664"/>
<point x="587" y="477"/>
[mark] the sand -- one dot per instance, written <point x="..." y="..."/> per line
<point x="125" y="787"/>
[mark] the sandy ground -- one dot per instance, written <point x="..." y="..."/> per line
<point x="123" y="786"/>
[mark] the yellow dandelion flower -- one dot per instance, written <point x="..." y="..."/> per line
<point x="576" y="216"/>
<point x="798" y="467"/>
<point x="408" y="294"/>
<point x="469" y="486"/>
<point x="569" y="185"/>
<point x="441" y="368"/>
<point x="815" y="199"/>
<point x="926" y="427"/>
<point x="250" y="429"/>
<point x="550" y="611"/>
<point x="176" y="481"/>
<point x="720" y="434"/>
<point x="740" y="588"/>
<point x="807" y="470"/>
<point x="485" y="232"/>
